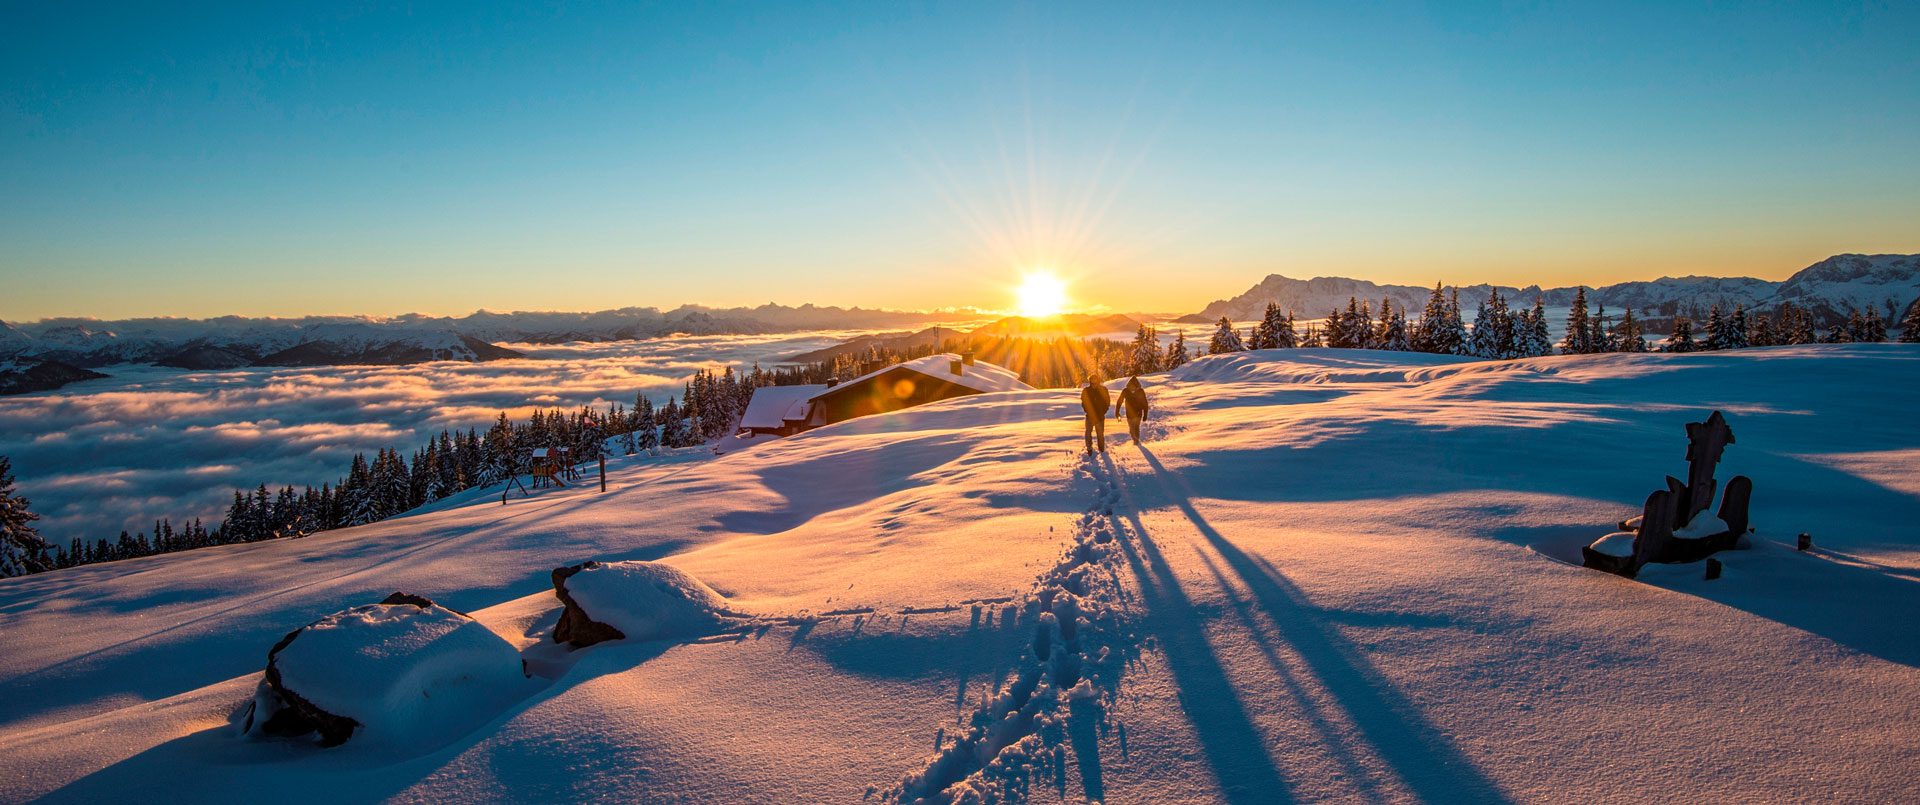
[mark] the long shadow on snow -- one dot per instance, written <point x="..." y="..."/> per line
<point x="1612" y="462"/>
<point x="1234" y="749"/>
<point x="1423" y="757"/>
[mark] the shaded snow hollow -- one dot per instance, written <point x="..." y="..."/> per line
<point x="1324" y="577"/>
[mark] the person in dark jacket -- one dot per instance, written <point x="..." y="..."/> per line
<point x="1133" y="400"/>
<point x="1094" y="400"/>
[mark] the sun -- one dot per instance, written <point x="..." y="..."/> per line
<point x="1041" y="295"/>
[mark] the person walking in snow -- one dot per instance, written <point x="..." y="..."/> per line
<point x="1094" y="401"/>
<point x="1133" y="400"/>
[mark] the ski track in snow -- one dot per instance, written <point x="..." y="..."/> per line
<point x="1067" y="678"/>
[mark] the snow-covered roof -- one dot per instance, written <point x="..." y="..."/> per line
<point x="539" y="452"/>
<point x="773" y="406"/>
<point x="980" y="376"/>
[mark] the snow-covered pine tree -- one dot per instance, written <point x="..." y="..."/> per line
<point x="22" y="551"/>
<point x="1333" y="331"/>
<point x="1145" y="357"/>
<point x="1910" y="324"/>
<point x="1284" y="336"/>
<point x="1716" y="329"/>
<point x="1177" y="355"/>
<point x="1451" y="337"/>
<point x="1225" y="339"/>
<point x="500" y="452"/>
<point x="1631" y="339"/>
<point x="1682" y="338"/>
<point x="1737" y="327"/>
<point x="1579" y="330"/>
<point x="647" y="435"/>
<point x="1539" y="339"/>
<point x="1396" y="338"/>
<point x="1760" y="331"/>
<point x="1263" y="332"/>
<point x="390" y="489"/>
<point x="1481" y="343"/>
<point x="1601" y="339"/>
<point x="1873" y="328"/>
<point x="1312" y="339"/>
<point x="1505" y="339"/>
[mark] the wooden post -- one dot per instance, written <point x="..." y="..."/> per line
<point x="1805" y="542"/>
<point x="603" y="473"/>
<point x="1713" y="569"/>
<point x="1705" y="442"/>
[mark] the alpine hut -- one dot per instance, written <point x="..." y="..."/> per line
<point x="785" y="410"/>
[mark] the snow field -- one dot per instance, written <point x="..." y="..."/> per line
<point x="1325" y="577"/>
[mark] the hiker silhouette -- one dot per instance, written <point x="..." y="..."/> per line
<point x="1094" y="401"/>
<point x="1133" y="401"/>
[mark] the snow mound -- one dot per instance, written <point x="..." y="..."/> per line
<point x="1704" y="525"/>
<point x="397" y="672"/>
<point x="644" y="600"/>
<point x="1617" y="544"/>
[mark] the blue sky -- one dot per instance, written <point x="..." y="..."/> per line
<point x="330" y="158"/>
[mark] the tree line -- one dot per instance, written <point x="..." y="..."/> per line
<point x="1502" y="331"/>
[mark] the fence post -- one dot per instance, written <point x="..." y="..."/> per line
<point x="603" y="473"/>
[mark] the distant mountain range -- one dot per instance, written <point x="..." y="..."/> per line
<point x="1828" y="290"/>
<point x="44" y="355"/>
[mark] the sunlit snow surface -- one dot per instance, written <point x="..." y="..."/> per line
<point x="1338" y="578"/>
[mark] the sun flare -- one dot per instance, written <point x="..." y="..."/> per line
<point x="1041" y="295"/>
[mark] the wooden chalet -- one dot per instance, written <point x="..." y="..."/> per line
<point x="785" y="410"/>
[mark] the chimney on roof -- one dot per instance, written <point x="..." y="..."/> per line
<point x="954" y="366"/>
<point x="966" y="358"/>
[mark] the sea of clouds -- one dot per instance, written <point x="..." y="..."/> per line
<point x="149" y="442"/>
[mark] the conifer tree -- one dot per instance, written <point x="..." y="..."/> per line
<point x="1910" y="324"/>
<point x="647" y="433"/>
<point x="1395" y="336"/>
<point x="1760" y="331"/>
<point x="1737" y="327"/>
<point x="1284" y="335"/>
<point x="1873" y="328"/>
<point x="1682" y="338"/>
<point x="1579" y="340"/>
<point x="1225" y="339"/>
<point x="1424" y="333"/>
<point x="1601" y="339"/>
<point x="1716" y="329"/>
<point x="1145" y="357"/>
<point x="1631" y="339"/>
<point x="1177" y="351"/>
<point x="22" y="551"/>
<point x="1481" y="342"/>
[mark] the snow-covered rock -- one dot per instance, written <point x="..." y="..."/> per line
<point x="398" y="670"/>
<point x="1618" y="544"/>
<point x="1704" y="525"/>
<point x="635" y="601"/>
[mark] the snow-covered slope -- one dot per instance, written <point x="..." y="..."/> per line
<point x="1326" y="574"/>
<point x="1836" y="285"/>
